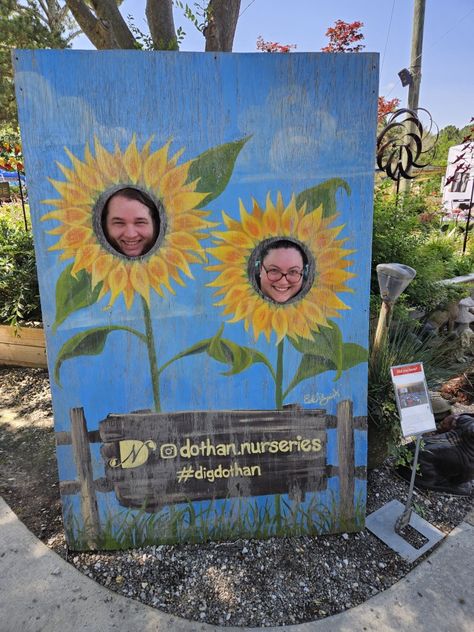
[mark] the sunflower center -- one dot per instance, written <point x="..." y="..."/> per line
<point x="129" y="222"/>
<point x="281" y="270"/>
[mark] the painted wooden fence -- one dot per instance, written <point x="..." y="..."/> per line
<point x="152" y="460"/>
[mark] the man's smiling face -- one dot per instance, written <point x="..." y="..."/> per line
<point x="129" y="226"/>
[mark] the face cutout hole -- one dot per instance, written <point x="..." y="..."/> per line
<point x="281" y="270"/>
<point x="129" y="222"/>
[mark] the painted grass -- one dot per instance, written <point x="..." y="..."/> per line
<point x="230" y="519"/>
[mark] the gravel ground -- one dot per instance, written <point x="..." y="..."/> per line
<point x="243" y="583"/>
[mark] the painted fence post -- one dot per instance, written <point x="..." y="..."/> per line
<point x="346" y="458"/>
<point x="83" y="461"/>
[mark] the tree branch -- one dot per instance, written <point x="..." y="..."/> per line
<point x="159" y="14"/>
<point x="89" y="24"/>
<point x="119" y="34"/>
<point x="222" y="22"/>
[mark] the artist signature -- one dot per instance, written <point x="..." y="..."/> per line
<point x="321" y="398"/>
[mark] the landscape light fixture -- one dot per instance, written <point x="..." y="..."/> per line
<point x="393" y="279"/>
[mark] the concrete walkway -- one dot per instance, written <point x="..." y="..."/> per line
<point x="39" y="591"/>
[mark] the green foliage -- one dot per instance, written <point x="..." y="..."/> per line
<point x="448" y="137"/>
<point x="406" y="343"/>
<point x="237" y="357"/>
<point x="144" y="41"/>
<point x="27" y="25"/>
<point x="327" y="352"/>
<point x="199" y="17"/>
<point x="403" y="456"/>
<point x="19" y="294"/>
<point x="226" y="519"/>
<point x="401" y="235"/>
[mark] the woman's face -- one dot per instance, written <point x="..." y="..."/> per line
<point x="281" y="260"/>
<point x="129" y="226"/>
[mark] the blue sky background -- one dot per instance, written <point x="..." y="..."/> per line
<point x="447" y="86"/>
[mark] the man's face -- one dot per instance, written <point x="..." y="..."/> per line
<point x="129" y="226"/>
<point x="282" y="260"/>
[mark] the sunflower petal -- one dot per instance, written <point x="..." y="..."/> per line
<point x="155" y="166"/>
<point x="74" y="237"/>
<point x="280" y="323"/>
<point x="140" y="281"/>
<point x="159" y="274"/>
<point x="118" y="281"/>
<point x="262" y="320"/>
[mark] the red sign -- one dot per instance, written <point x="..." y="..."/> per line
<point x="406" y="369"/>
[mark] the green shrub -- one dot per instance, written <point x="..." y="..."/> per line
<point x="401" y="235"/>
<point x="406" y="343"/>
<point x="19" y="294"/>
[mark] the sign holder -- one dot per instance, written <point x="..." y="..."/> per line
<point x="388" y="522"/>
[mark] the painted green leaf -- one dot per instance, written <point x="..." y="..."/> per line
<point x="73" y="294"/>
<point x="90" y="342"/>
<point x="224" y="351"/>
<point x="310" y="366"/>
<point x="327" y="344"/>
<point x="352" y="355"/>
<point x="325" y="194"/>
<point x="327" y="352"/>
<point x="214" y="168"/>
<point x="236" y="356"/>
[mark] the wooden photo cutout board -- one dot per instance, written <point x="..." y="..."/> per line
<point x="196" y="397"/>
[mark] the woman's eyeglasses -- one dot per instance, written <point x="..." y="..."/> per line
<point x="293" y="276"/>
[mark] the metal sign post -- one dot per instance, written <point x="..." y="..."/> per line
<point x="404" y="519"/>
<point x="416" y="417"/>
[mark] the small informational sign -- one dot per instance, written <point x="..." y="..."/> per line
<point x="413" y="400"/>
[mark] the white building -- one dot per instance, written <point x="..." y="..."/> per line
<point x="459" y="193"/>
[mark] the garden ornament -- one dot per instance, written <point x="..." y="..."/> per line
<point x="440" y="407"/>
<point x="446" y="460"/>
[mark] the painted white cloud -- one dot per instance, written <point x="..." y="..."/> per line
<point x="68" y="120"/>
<point x="301" y="134"/>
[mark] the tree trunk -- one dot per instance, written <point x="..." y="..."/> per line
<point x="108" y="29"/>
<point x="90" y="25"/>
<point x="159" y="14"/>
<point x="222" y="22"/>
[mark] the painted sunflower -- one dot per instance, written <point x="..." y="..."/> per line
<point x="156" y="174"/>
<point x="236" y="246"/>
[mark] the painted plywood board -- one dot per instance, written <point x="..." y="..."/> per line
<point x="235" y="154"/>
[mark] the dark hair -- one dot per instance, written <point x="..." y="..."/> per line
<point x="286" y="244"/>
<point x="133" y="194"/>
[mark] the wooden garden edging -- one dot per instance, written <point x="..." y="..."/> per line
<point x="25" y="347"/>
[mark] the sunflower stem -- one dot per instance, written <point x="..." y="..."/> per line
<point x="279" y="376"/>
<point x="150" y="343"/>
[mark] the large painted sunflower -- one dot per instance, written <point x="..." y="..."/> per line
<point x="156" y="174"/>
<point x="236" y="246"/>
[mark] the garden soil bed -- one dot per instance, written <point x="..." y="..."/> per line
<point x="247" y="582"/>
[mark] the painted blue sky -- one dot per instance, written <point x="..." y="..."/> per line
<point x="294" y="144"/>
<point x="447" y="88"/>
